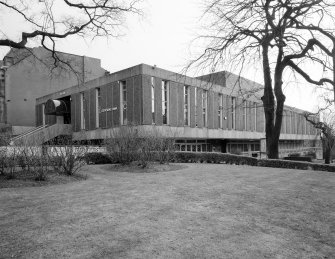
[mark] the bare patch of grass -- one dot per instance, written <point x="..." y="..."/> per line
<point x="150" y="168"/>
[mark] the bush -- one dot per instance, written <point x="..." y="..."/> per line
<point x="190" y="157"/>
<point x="277" y="163"/>
<point x="129" y="144"/>
<point x="311" y="154"/>
<point x="211" y="157"/>
<point x="294" y="155"/>
<point x="123" y="146"/>
<point x="97" y="158"/>
<point x="299" y="158"/>
<point x="65" y="157"/>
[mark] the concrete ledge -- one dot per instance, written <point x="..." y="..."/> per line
<point x="187" y="132"/>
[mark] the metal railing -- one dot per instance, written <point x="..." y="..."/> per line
<point x="26" y="134"/>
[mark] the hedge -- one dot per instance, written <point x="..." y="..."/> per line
<point x="299" y="158"/>
<point x="189" y="157"/>
<point x="211" y="157"/>
<point x="97" y="158"/>
<point x="277" y="163"/>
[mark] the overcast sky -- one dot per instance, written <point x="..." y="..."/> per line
<point x="163" y="38"/>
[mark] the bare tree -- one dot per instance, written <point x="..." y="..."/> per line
<point x="270" y="33"/>
<point x="327" y="128"/>
<point x="51" y="21"/>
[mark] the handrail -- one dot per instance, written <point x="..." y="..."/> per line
<point x="29" y="132"/>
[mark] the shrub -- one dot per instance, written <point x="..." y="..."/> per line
<point x="311" y="154"/>
<point x="129" y="144"/>
<point x="189" y="157"/>
<point x="66" y="158"/>
<point x="97" y="158"/>
<point x="41" y="175"/>
<point x="299" y="158"/>
<point x="277" y="163"/>
<point x="123" y="145"/>
<point x="212" y="157"/>
<point x="294" y="154"/>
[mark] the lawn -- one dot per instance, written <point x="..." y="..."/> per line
<point x="203" y="211"/>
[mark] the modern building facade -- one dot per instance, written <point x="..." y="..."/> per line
<point x="30" y="73"/>
<point x="217" y="112"/>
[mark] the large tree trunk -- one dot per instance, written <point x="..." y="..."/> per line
<point x="327" y="154"/>
<point x="269" y="104"/>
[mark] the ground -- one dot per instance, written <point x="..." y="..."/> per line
<point x="28" y="179"/>
<point x="203" y="211"/>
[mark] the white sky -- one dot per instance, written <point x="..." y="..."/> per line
<point x="162" y="38"/>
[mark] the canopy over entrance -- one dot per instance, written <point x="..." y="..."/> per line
<point x="56" y="107"/>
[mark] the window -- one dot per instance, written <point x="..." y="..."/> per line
<point x="245" y="112"/>
<point x="153" y="99"/>
<point x="196" y="107"/>
<point x="8" y="61"/>
<point x="255" y="118"/>
<point x="220" y="110"/>
<point x="186" y="105"/>
<point x="83" y="111"/>
<point x="233" y="112"/>
<point x="165" y="102"/>
<point x="43" y="114"/>
<point x="204" y="107"/>
<point x="97" y="107"/>
<point x="123" y="103"/>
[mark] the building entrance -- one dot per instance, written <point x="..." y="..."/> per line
<point x="59" y="109"/>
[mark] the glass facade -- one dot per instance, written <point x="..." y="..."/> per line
<point x="233" y="112"/>
<point x="204" y="107"/>
<point x="153" y="99"/>
<point x="98" y="107"/>
<point x="220" y="111"/>
<point x="123" y="102"/>
<point x="165" y="102"/>
<point x="186" y="105"/>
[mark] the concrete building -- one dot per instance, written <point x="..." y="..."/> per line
<point x="218" y="112"/>
<point x="28" y="74"/>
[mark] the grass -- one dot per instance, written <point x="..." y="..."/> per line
<point x="29" y="179"/>
<point x="203" y="211"/>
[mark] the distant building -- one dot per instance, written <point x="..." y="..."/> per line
<point x="218" y="112"/>
<point x="28" y="74"/>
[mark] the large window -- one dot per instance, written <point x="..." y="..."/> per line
<point x="245" y="112"/>
<point x="43" y="114"/>
<point x="196" y="107"/>
<point x="255" y="118"/>
<point x="83" y="111"/>
<point x="98" y="107"/>
<point x="123" y="103"/>
<point x="186" y="105"/>
<point x="204" y="107"/>
<point x="165" y="102"/>
<point x="220" y="111"/>
<point x="233" y="112"/>
<point x="153" y="99"/>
